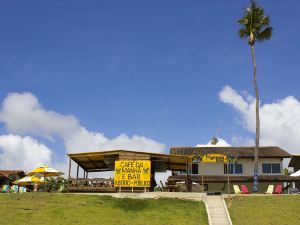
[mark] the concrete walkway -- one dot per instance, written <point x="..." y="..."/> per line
<point x="217" y="211"/>
<point x="180" y="195"/>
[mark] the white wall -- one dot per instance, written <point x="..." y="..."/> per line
<point x="248" y="166"/>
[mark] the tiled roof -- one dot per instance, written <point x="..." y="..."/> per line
<point x="240" y="152"/>
<point x="7" y="173"/>
<point x="295" y="160"/>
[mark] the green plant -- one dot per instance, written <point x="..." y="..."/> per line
<point x="286" y="172"/>
<point x="58" y="184"/>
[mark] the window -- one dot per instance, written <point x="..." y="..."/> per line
<point x="233" y="169"/>
<point x="181" y="172"/>
<point x="271" y="167"/>
<point x="276" y="168"/>
<point x="195" y="168"/>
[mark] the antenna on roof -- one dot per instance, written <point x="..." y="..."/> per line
<point x="214" y="141"/>
<point x="217" y="130"/>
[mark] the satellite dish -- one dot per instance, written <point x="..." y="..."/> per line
<point x="214" y="141"/>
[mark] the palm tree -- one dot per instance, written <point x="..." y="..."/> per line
<point x="255" y="27"/>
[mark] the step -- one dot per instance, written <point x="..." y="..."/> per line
<point x="217" y="211"/>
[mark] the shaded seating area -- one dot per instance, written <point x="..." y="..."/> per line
<point x="237" y="181"/>
<point x="92" y="164"/>
<point x="91" y="185"/>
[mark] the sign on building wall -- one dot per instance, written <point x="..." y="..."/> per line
<point x="132" y="173"/>
<point x="214" y="158"/>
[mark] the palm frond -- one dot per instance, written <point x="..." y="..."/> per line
<point x="266" y="34"/>
<point x="243" y="33"/>
<point x="256" y="22"/>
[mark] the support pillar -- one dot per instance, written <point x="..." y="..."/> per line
<point x="77" y="171"/>
<point x="69" y="169"/>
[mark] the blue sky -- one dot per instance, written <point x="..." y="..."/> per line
<point x="152" y="68"/>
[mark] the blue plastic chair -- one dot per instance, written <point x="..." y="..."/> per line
<point x="5" y="188"/>
<point x="14" y="189"/>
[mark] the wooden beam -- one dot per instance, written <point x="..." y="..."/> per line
<point x="69" y="169"/>
<point x="91" y="161"/>
<point x="99" y="170"/>
<point x="77" y="171"/>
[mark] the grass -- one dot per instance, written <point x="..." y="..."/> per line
<point x="265" y="210"/>
<point x="46" y="208"/>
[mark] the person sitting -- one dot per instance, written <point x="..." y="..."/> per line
<point x="35" y="187"/>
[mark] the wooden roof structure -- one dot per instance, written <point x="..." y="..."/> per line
<point x="176" y="160"/>
<point x="8" y="173"/>
<point x="105" y="160"/>
<point x="240" y="152"/>
<point x="295" y="161"/>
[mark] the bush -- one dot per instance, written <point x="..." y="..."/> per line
<point x="58" y="184"/>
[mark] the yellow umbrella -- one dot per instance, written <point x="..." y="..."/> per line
<point x="44" y="171"/>
<point x="28" y="181"/>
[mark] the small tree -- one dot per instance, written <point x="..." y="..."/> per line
<point x="58" y="184"/>
<point x="255" y="27"/>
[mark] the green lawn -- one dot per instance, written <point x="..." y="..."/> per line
<point x="55" y="209"/>
<point x="266" y="210"/>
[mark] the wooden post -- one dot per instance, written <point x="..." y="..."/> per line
<point x="83" y="173"/>
<point x="228" y="186"/>
<point x="69" y="169"/>
<point x="87" y="174"/>
<point x="202" y="177"/>
<point x="132" y="189"/>
<point x="187" y="171"/>
<point x="77" y="171"/>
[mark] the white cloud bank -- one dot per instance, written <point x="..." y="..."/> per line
<point x="22" y="152"/>
<point x="22" y="113"/>
<point x="279" y="121"/>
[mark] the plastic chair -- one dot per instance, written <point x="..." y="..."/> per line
<point x="244" y="189"/>
<point x="22" y="189"/>
<point x="278" y="189"/>
<point x="270" y="189"/>
<point x="5" y="188"/>
<point x="236" y="189"/>
<point x="14" y="189"/>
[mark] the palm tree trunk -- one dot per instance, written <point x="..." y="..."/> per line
<point x="257" y="131"/>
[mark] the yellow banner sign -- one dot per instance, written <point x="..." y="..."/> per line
<point x="214" y="158"/>
<point x="132" y="173"/>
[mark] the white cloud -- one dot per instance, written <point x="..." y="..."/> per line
<point x="24" y="153"/>
<point x="22" y="113"/>
<point x="279" y="121"/>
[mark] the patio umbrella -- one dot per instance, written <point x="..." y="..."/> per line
<point x="44" y="171"/>
<point x="296" y="174"/>
<point x="28" y="181"/>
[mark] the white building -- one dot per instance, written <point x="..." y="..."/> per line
<point x="215" y="175"/>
